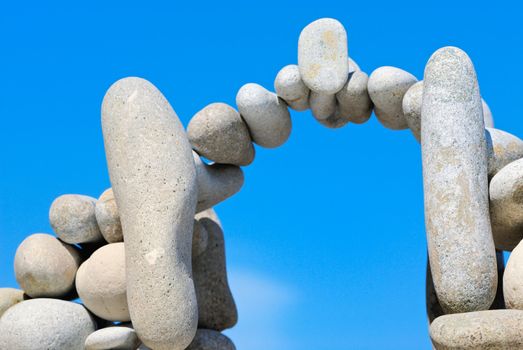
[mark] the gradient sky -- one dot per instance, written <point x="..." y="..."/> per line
<point x="325" y="243"/>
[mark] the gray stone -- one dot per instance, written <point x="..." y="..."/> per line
<point x="153" y="177"/>
<point x="323" y="57"/>
<point x="101" y="285"/>
<point x="9" y="297"/>
<point x="208" y="339"/>
<point x="354" y="103"/>
<point x="353" y="66"/>
<point x="216" y="307"/>
<point x="322" y="105"/>
<point x="506" y="206"/>
<point x="487" y="115"/>
<point x="411" y="105"/>
<point x="218" y="133"/>
<point x="480" y="330"/>
<point x="117" y="338"/>
<point x="387" y="86"/>
<point x="45" y="266"/>
<point x="266" y="115"/>
<point x="200" y="239"/>
<point x="503" y="148"/>
<point x="433" y="306"/>
<point x="335" y="121"/>
<point x="216" y="182"/>
<point x="73" y="219"/>
<point x="454" y="154"/>
<point x="44" y="324"/>
<point x="108" y="217"/>
<point x="513" y="279"/>
<point x="290" y="87"/>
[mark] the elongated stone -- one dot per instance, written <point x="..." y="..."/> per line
<point x="503" y="148"/>
<point x="487" y="115"/>
<point x="153" y="177"/>
<point x="291" y="88"/>
<point x="121" y="338"/>
<point x="108" y="217"/>
<point x="454" y="153"/>
<point x="208" y="339"/>
<point x="322" y="105"/>
<point x="513" y="279"/>
<point x="354" y="103"/>
<point x="323" y="56"/>
<point x="9" y="297"/>
<point x="480" y="330"/>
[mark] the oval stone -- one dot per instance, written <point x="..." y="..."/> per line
<point x="503" y="148"/>
<point x="513" y="279"/>
<point x="487" y="115"/>
<point x="291" y="88"/>
<point x="121" y="338"/>
<point x="108" y="217"/>
<point x="208" y="339"/>
<point x="200" y="239"/>
<point x="322" y="105"/>
<point x="9" y="297"/>
<point x="354" y="103"/>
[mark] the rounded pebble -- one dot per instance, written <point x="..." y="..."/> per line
<point x="108" y="217"/>
<point x="487" y="115"/>
<point x="208" y="339"/>
<point x="9" y="297"/>
<point x="411" y="105"/>
<point x="503" y="148"/>
<point x="121" y="338"/>
<point x="291" y="88"/>
<point x="354" y="103"/>
<point x="513" y="279"/>
<point x="322" y="106"/>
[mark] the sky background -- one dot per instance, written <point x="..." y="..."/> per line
<point x="325" y="243"/>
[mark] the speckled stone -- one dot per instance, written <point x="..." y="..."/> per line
<point x="200" y="239"/>
<point x="290" y="87"/>
<point x="322" y="106"/>
<point x="216" y="307"/>
<point x="73" y="219"/>
<point x="44" y="324"/>
<point x="454" y="154"/>
<point x="9" y="297"/>
<point x="101" y="285"/>
<point x="354" y="103"/>
<point x="323" y="56"/>
<point x="503" y="148"/>
<point x="217" y="132"/>
<point x="513" y="279"/>
<point x="506" y="206"/>
<point x="387" y="86"/>
<point x="153" y="177"/>
<point x="487" y="115"/>
<point x="480" y="330"/>
<point x="120" y="338"/>
<point x="265" y="114"/>
<point x="432" y="304"/>
<point x="208" y="339"/>
<point x="45" y="266"/>
<point x="216" y="182"/>
<point x="108" y="217"/>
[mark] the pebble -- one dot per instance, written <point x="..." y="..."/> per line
<point x="121" y="338"/>
<point x="323" y="57"/>
<point x="216" y="306"/>
<point x="480" y="330"/>
<point x="73" y="219"/>
<point x="218" y="133"/>
<point x="353" y="66"/>
<point x="216" y="182"/>
<point x="200" y="239"/>
<point x="513" y="279"/>
<point x="266" y="115"/>
<point x="290" y="87"/>
<point x="487" y="115"/>
<point x="45" y="324"/>
<point x="9" y="297"/>
<point x="335" y="121"/>
<point x="45" y="266"/>
<point x="322" y="105"/>
<point x="208" y="339"/>
<point x="153" y="177"/>
<point x="461" y="249"/>
<point x="108" y="217"/>
<point x="101" y="285"/>
<point x="503" y="148"/>
<point x="354" y="103"/>
<point x="506" y="206"/>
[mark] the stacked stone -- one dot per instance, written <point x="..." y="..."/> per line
<point x="147" y="258"/>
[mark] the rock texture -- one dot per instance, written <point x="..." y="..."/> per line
<point x="513" y="279"/>
<point x="354" y="103"/>
<point x="9" y="297"/>
<point x="120" y="338"/>
<point x="108" y="217"/>
<point x="503" y="148"/>
<point x="290" y="87"/>
<point x="207" y="339"/>
<point x="322" y="105"/>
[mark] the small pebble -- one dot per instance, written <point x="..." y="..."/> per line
<point x="108" y="217"/>
<point x="354" y="103"/>
<point x="290" y="87"/>
<point x="503" y="148"/>
<point x="208" y="339"/>
<point x="120" y="338"/>
<point x="322" y="105"/>
<point x="513" y="279"/>
<point x="9" y="297"/>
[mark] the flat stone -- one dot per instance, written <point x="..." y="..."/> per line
<point x="208" y="339"/>
<point x="108" y="217"/>
<point x="73" y="219"/>
<point x="354" y="103"/>
<point x="266" y="115"/>
<point x="480" y="330"/>
<point x="503" y="148"/>
<point x="513" y="279"/>
<point x="45" y="266"/>
<point x="290" y="87"/>
<point x="454" y="155"/>
<point x="9" y="297"/>
<point x="200" y="239"/>
<point x="121" y="338"/>
<point x="323" y="57"/>
<point x="487" y="115"/>
<point x="101" y="285"/>
<point x="216" y="307"/>
<point x="322" y="105"/>
<point x="43" y="324"/>
<point x="218" y="133"/>
<point x="153" y="177"/>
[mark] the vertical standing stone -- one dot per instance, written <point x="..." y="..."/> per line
<point x="154" y="182"/>
<point x="461" y="248"/>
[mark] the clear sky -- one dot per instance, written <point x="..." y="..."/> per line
<point x="325" y="243"/>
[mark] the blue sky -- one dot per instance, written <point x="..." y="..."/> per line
<point x="325" y="243"/>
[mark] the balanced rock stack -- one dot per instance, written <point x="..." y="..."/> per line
<point x="147" y="258"/>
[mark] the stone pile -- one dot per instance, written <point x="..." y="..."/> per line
<point x="147" y="258"/>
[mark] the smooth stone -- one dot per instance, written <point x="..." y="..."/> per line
<point x="323" y="56"/>
<point x="216" y="307"/>
<point x="118" y="338"/>
<point x="335" y="121"/>
<point x="153" y="177"/>
<point x="200" y="239"/>
<point x="513" y="279"/>
<point x="290" y="87"/>
<point x="208" y="339"/>
<point x="454" y="158"/>
<point x="108" y="217"/>
<point x="387" y="86"/>
<point x="506" y="206"/>
<point x="503" y="148"/>
<point x="101" y="284"/>
<point x="265" y="114"/>
<point x="73" y="219"/>
<point x="354" y="103"/>
<point x="480" y="330"/>
<point x="353" y="66"/>
<point x="44" y="324"/>
<point x="487" y="115"/>
<point x="432" y="304"/>
<point x="216" y="182"/>
<point x="218" y="133"/>
<point x="45" y="266"/>
<point x="322" y="106"/>
<point x="9" y="297"/>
